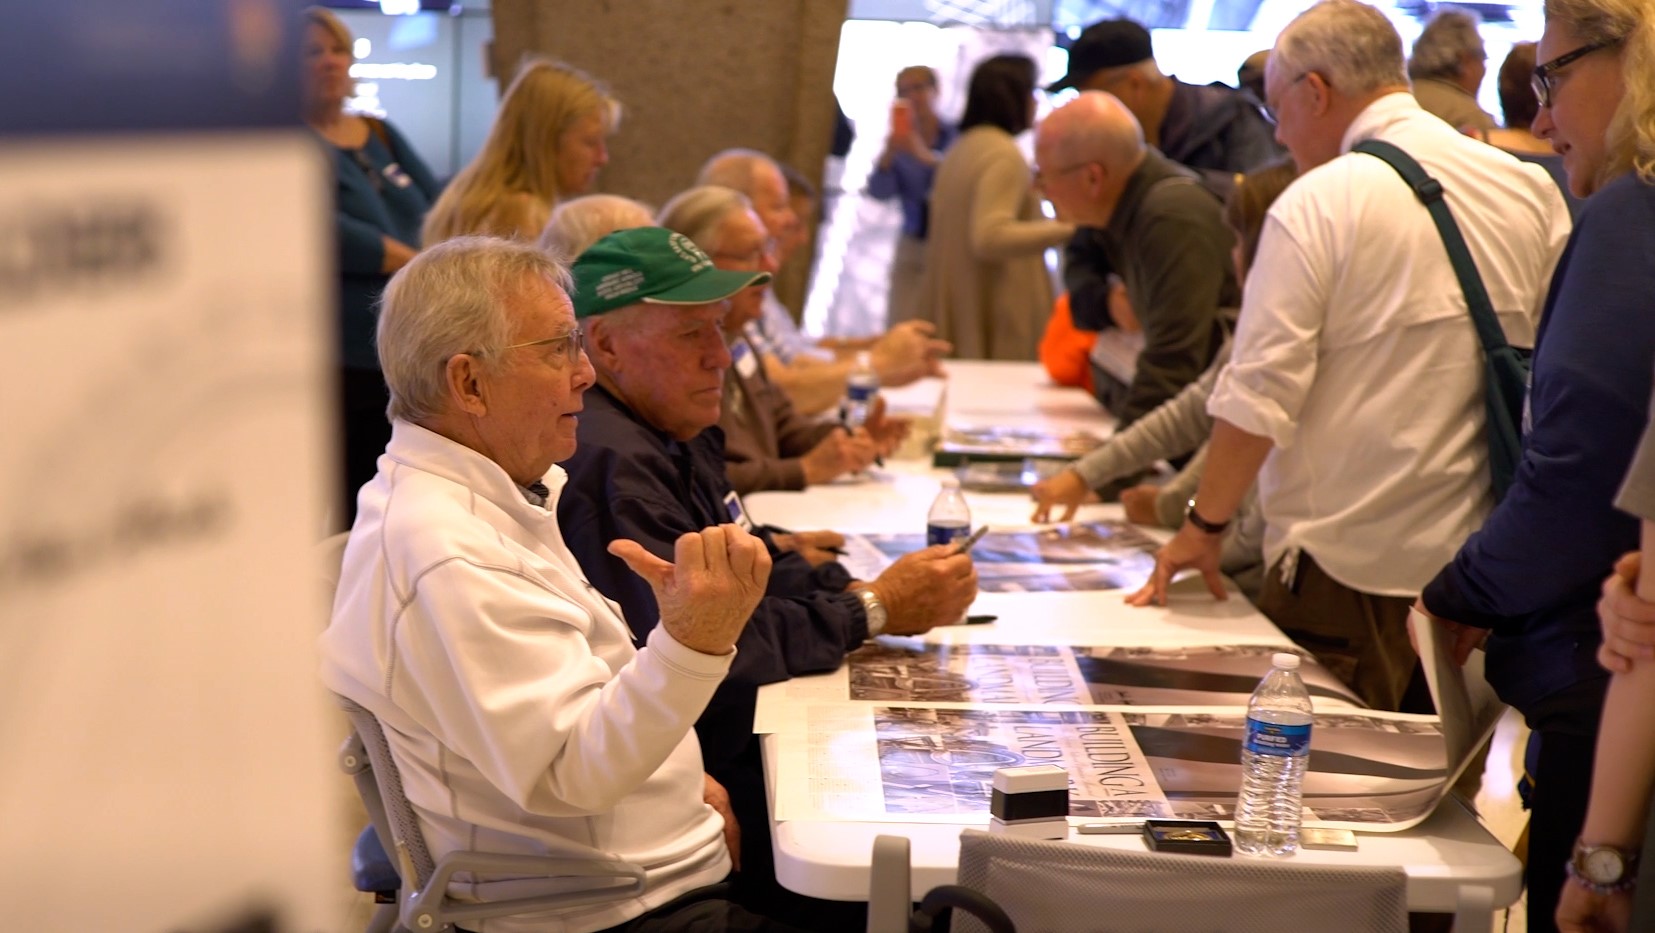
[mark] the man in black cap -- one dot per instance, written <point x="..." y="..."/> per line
<point x="1214" y="130"/>
<point x="1218" y="131"/>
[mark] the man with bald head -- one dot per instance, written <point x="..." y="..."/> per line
<point x="1217" y="131"/>
<point x="1159" y="229"/>
<point x="813" y="374"/>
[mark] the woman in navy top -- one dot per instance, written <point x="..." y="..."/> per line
<point x="1525" y="585"/>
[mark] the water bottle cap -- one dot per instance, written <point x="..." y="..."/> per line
<point x="1284" y="660"/>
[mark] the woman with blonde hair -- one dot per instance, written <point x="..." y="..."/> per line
<point x="382" y="190"/>
<point x="548" y="143"/>
<point x="1596" y="84"/>
<point x="1524" y="585"/>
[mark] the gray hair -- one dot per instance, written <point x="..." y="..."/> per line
<point x="1449" y="37"/>
<point x="734" y="168"/>
<point x="579" y="222"/>
<point x="699" y="213"/>
<point x="451" y="299"/>
<point x="1350" y="44"/>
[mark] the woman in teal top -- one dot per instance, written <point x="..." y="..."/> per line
<point x="382" y="192"/>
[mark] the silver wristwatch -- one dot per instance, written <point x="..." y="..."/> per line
<point x="877" y="616"/>
<point x="1603" y="868"/>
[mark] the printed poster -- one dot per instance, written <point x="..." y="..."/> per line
<point x="1368" y="771"/>
<point x="1203" y="675"/>
<point x="1097" y="555"/>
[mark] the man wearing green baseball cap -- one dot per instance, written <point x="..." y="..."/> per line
<point x="649" y="466"/>
<point x="651" y="265"/>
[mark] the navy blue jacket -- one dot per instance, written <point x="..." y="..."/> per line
<point x="1532" y="572"/>
<point x="628" y="480"/>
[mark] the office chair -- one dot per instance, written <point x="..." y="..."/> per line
<point x="1047" y="886"/>
<point x="418" y="884"/>
<point x="423" y="904"/>
<point x="889" y="893"/>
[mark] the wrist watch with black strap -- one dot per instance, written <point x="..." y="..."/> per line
<point x="875" y="609"/>
<point x="1193" y="517"/>
<point x="1603" y="869"/>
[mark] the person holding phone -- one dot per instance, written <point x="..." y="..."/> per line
<point x="904" y="170"/>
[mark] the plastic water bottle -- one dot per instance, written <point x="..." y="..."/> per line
<point x="860" y="388"/>
<point x="1273" y="759"/>
<point x="950" y="517"/>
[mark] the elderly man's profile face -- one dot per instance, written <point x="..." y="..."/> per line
<point x="745" y="246"/>
<point x="769" y="197"/>
<point x="1289" y="101"/>
<point x="534" y="392"/>
<point x="671" y="363"/>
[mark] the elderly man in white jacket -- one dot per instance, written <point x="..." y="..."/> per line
<point x="521" y="714"/>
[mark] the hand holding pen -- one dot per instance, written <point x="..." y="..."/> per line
<point x="965" y="545"/>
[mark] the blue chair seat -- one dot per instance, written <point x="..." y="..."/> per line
<point x="372" y="870"/>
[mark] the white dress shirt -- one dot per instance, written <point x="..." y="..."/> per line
<point x="1355" y="353"/>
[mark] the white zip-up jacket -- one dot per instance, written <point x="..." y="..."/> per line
<point x="520" y="713"/>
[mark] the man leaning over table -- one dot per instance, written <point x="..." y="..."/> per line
<point x="522" y="714"/>
<point x="1355" y="390"/>
<point x="651" y="464"/>
<point x="1158" y="228"/>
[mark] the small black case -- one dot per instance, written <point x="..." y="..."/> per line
<point x="1192" y="837"/>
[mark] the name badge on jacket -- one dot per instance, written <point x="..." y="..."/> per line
<point x="738" y="512"/>
<point x="747" y="362"/>
<point x="395" y="175"/>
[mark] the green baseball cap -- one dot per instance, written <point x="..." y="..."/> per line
<point x="653" y="265"/>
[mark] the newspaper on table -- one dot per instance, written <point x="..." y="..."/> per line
<point x="1098" y="555"/>
<point x="1370" y="771"/>
<point x="905" y="670"/>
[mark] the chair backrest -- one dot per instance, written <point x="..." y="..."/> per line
<point x="1051" y="887"/>
<point x="398" y="815"/>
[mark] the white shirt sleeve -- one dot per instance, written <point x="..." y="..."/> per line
<point x="504" y="667"/>
<point x="1277" y="340"/>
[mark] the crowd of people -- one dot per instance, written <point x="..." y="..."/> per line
<point x="553" y="401"/>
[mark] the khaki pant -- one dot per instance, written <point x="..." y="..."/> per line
<point x="1360" y="637"/>
<point x="907" y="274"/>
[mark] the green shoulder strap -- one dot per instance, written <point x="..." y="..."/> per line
<point x="1429" y="192"/>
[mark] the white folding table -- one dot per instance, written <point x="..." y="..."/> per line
<point x="1451" y="861"/>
